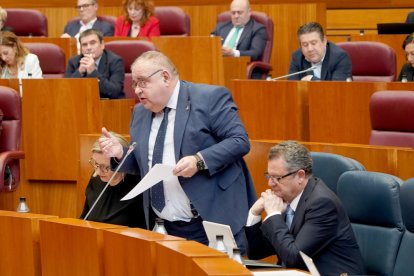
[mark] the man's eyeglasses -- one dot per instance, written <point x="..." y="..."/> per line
<point x="278" y="178"/>
<point x="103" y="168"/>
<point x="84" y="6"/>
<point x="143" y="82"/>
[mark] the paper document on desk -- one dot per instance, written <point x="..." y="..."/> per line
<point x="158" y="172"/>
<point x="280" y="273"/>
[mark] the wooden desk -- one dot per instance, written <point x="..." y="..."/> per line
<point x="175" y="257"/>
<point x="235" y="68"/>
<point x="217" y="266"/>
<point x="72" y="247"/>
<point x="19" y="240"/>
<point x="68" y="45"/>
<point x="273" y="109"/>
<point x="394" y="41"/>
<point x="131" y="251"/>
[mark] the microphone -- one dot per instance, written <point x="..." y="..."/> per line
<point x="294" y="74"/>
<point x="130" y="149"/>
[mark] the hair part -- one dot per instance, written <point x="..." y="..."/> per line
<point x="11" y="40"/>
<point x="148" y="10"/>
<point x="91" y="32"/>
<point x="296" y="156"/>
<point x="156" y="58"/>
<point x="311" y="27"/>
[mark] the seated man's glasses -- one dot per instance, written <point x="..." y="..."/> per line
<point x="84" y="6"/>
<point x="278" y="178"/>
<point x="103" y="168"/>
<point x="143" y="82"/>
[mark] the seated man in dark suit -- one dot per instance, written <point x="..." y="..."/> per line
<point x="242" y="36"/>
<point x="96" y="62"/>
<point x="330" y="61"/>
<point x="88" y="20"/>
<point x="303" y="214"/>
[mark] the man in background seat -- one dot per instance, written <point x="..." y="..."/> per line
<point x="96" y="62"/>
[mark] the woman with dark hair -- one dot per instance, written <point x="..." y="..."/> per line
<point x="138" y="20"/>
<point x="407" y="71"/>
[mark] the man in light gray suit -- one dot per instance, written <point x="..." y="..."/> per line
<point x="205" y="142"/>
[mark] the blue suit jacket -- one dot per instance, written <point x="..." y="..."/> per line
<point x="72" y="28"/>
<point x="320" y="228"/>
<point x="206" y="121"/>
<point x="111" y="74"/>
<point x="336" y="64"/>
<point x="252" y="41"/>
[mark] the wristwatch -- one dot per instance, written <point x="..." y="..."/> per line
<point x="200" y="163"/>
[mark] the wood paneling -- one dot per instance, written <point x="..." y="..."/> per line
<point x="339" y="111"/>
<point x="72" y="247"/>
<point x="55" y="112"/>
<point x="131" y="251"/>
<point x="272" y="109"/>
<point x="19" y="240"/>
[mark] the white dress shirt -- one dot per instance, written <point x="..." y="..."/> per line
<point x="177" y="204"/>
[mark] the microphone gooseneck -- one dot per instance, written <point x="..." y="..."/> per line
<point x="130" y="149"/>
<point x="294" y="74"/>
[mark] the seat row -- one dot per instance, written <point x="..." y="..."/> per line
<point x="381" y="210"/>
<point x="30" y="22"/>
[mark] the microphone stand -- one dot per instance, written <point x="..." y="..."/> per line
<point x="294" y="74"/>
<point x="130" y="149"/>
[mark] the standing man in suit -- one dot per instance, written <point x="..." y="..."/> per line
<point x="88" y="20"/>
<point x="242" y="36"/>
<point x="96" y="62"/>
<point x="303" y="214"/>
<point x="205" y="142"/>
<point x="329" y="60"/>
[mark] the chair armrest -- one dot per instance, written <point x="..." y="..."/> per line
<point x="263" y="66"/>
<point x="5" y="158"/>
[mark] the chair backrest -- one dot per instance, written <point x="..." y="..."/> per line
<point x="129" y="50"/>
<point x="329" y="167"/>
<point x="173" y="21"/>
<point x="27" y="22"/>
<point x="372" y="201"/>
<point x="392" y="114"/>
<point x="404" y="264"/>
<point x="10" y="104"/>
<point x="51" y="58"/>
<point x="371" y="61"/>
<point x="263" y="19"/>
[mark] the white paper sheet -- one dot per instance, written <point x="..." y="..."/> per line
<point x="280" y="273"/>
<point x="157" y="173"/>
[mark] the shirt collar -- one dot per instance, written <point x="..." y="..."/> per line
<point x="295" y="202"/>
<point x="172" y="103"/>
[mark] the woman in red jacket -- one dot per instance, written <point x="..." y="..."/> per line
<point x="138" y="20"/>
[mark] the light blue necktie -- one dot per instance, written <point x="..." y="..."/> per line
<point x="157" y="191"/>
<point x="289" y="216"/>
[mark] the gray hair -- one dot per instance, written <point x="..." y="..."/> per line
<point x="295" y="155"/>
<point x="156" y="58"/>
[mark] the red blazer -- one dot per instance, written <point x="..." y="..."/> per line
<point x="151" y="27"/>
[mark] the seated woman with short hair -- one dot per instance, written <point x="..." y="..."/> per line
<point x="109" y="208"/>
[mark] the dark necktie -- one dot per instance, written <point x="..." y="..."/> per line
<point x="157" y="191"/>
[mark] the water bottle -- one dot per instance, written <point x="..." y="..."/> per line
<point x="219" y="245"/>
<point x="22" y="207"/>
<point x="237" y="255"/>
<point x="159" y="226"/>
